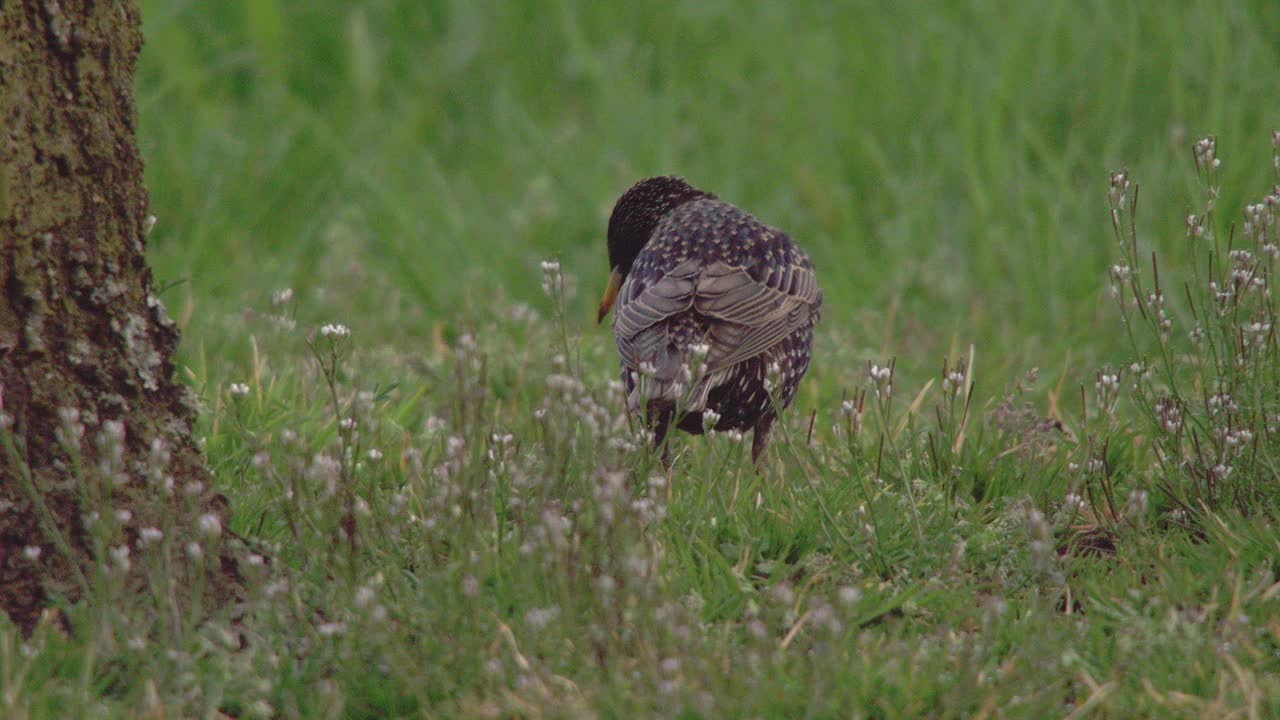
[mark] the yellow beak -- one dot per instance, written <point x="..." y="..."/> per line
<point x="610" y="294"/>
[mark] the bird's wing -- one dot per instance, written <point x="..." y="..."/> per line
<point x="642" y="308"/>
<point x="754" y="314"/>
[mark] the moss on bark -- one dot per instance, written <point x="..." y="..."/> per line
<point x="84" y="343"/>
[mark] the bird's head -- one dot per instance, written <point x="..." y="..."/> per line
<point x="634" y="218"/>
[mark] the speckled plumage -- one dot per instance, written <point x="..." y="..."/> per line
<point x="701" y="272"/>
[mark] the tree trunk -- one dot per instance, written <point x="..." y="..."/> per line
<point x="95" y="434"/>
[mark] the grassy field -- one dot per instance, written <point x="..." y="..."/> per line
<point x="1063" y="506"/>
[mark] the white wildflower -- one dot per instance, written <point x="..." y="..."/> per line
<point x="210" y="525"/>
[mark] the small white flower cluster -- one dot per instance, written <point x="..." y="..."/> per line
<point x="501" y="454"/>
<point x="1223" y="296"/>
<point x="1121" y="207"/>
<point x="1107" y="388"/>
<point x="1206" y="152"/>
<point x="1155" y="301"/>
<point x="1040" y="538"/>
<point x="565" y="385"/>
<point x="1275" y="151"/>
<point x="1220" y="402"/>
<point x="1073" y="503"/>
<point x="467" y="348"/>
<point x="880" y="375"/>
<point x="335" y="330"/>
<point x="1120" y="274"/>
<point x="70" y="430"/>
<point x="1195" y="225"/>
<point x="1244" y="274"/>
<point x="1119" y="192"/>
<point x="551" y="277"/>
<point x="1257" y="329"/>
<point x="852" y="409"/>
<point x="111" y="446"/>
<point x="209" y="525"/>
<point x="953" y="382"/>
<point x="882" y="379"/>
<point x="538" y="618"/>
<point x="1237" y="439"/>
<point x="120" y="554"/>
<point x="1140" y="371"/>
<point x="238" y="389"/>
<point x="1168" y="411"/>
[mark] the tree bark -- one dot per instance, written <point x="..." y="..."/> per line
<point x="95" y="434"/>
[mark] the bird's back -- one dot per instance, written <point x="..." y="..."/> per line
<point x="708" y="230"/>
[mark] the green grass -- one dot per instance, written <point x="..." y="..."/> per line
<point x="405" y="167"/>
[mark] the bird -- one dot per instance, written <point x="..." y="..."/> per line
<point x="715" y="312"/>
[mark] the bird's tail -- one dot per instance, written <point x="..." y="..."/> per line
<point x="674" y="380"/>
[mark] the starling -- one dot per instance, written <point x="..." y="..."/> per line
<point x="715" y="311"/>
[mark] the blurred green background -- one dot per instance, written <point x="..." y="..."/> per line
<point x="404" y="164"/>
